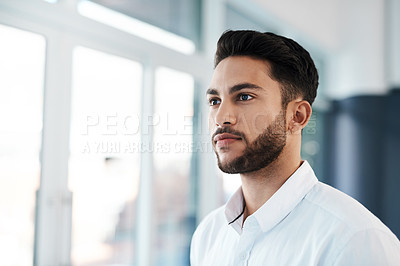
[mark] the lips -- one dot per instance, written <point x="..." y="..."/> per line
<point x="225" y="139"/>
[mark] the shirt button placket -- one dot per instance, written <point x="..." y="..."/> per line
<point x="243" y="254"/>
<point x="246" y="242"/>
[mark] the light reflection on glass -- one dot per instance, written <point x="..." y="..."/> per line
<point x="173" y="135"/>
<point x="104" y="163"/>
<point x="21" y="98"/>
<point x="136" y="27"/>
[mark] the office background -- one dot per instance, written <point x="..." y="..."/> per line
<point x="105" y="157"/>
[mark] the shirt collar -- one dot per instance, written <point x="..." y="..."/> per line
<point x="278" y="206"/>
<point x="234" y="210"/>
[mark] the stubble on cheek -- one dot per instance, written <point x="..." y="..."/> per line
<point x="259" y="153"/>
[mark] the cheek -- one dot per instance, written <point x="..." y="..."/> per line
<point x="261" y="122"/>
<point x="257" y="122"/>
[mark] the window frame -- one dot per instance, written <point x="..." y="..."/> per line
<point x="64" y="29"/>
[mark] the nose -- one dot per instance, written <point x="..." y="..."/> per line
<point x="225" y="115"/>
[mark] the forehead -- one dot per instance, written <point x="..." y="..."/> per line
<point x="235" y="70"/>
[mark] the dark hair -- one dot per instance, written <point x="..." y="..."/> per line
<point x="290" y="64"/>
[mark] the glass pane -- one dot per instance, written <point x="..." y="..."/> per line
<point x="181" y="17"/>
<point x="104" y="163"/>
<point x="21" y="91"/>
<point x="172" y="155"/>
<point x="154" y="33"/>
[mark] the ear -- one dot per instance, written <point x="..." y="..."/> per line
<point x="299" y="113"/>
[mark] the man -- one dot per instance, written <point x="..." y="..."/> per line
<point x="260" y="100"/>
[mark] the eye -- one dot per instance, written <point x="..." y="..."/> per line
<point x="214" y="101"/>
<point x="244" y="97"/>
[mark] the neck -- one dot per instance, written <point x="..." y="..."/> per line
<point x="258" y="187"/>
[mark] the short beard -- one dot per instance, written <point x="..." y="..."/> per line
<point x="259" y="154"/>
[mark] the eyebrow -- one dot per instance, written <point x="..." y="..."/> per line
<point x="235" y="88"/>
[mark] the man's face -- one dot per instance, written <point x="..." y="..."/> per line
<point x="246" y="118"/>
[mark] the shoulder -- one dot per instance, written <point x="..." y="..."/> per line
<point x="359" y="236"/>
<point x="370" y="246"/>
<point x="340" y="207"/>
<point x="205" y="235"/>
<point x="210" y="224"/>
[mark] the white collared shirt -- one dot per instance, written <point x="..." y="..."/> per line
<point x="304" y="223"/>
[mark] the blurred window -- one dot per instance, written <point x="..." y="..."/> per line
<point x="172" y="155"/>
<point x="121" y="15"/>
<point x="181" y="17"/>
<point x="21" y="99"/>
<point x="104" y="160"/>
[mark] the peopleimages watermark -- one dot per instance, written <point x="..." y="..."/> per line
<point x="169" y="124"/>
<point x="129" y="125"/>
<point x="311" y="128"/>
<point x="123" y="147"/>
<point x="159" y="133"/>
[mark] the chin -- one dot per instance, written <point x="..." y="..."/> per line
<point x="227" y="155"/>
<point x="224" y="160"/>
